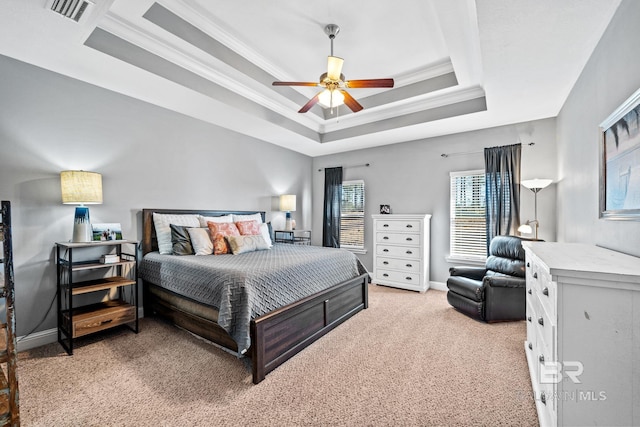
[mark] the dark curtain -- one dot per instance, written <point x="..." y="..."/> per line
<point x="332" y="199"/>
<point x="502" y="179"/>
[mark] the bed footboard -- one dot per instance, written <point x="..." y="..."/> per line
<point x="280" y="334"/>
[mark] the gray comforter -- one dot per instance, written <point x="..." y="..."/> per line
<point x="243" y="287"/>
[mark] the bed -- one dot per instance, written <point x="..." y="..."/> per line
<point x="276" y="320"/>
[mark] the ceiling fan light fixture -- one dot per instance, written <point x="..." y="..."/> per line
<point x="334" y="68"/>
<point x="330" y="98"/>
<point x="334" y="83"/>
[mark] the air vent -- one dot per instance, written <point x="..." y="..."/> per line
<point x="72" y="9"/>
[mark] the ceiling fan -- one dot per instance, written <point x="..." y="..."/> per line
<point x="334" y="83"/>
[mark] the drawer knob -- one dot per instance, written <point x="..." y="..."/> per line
<point x="408" y="278"/>
<point x="386" y="237"/>
<point x="529" y="291"/>
<point x="385" y="225"/>
<point x="529" y="319"/>
<point x="541" y="358"/>
<point x="385" y="262"/>
<point x="409" y="252"/>
<point x="530" y="346"/>
<point x="385" y="250"/>
<point x="409" y="226"/>
<point x="409" y="239"/>
<point x="535" y="275"/>
<point x="528" y="265"/>
<point x="543" y="399"/>
<point x="385" y="275"/>
<point x="545" y="291"/>
<point x="409" y="265"/>
<point x="541" y="321"/>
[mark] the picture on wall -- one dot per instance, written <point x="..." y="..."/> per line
<point x="620" y="162"/>
<point x="111" y="231"/>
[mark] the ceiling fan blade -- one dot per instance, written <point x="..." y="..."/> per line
<point x="334" y="67"/>
<point x="313" y="101"/>
<point x="351" y="102"/>
<point x="369" y="83"/>
<point x="295" y="84"/>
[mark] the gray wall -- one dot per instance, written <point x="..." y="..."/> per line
<point x="609" y="78"/>
<point x="412" y="177"/>
<point x="149" y="157"/>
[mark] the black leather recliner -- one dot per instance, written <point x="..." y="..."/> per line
<point x="495" y="292"/>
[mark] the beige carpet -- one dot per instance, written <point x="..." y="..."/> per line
<point x="410" y="359"/>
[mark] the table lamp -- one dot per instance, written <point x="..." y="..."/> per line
<point x="288" y="205"/>
<point x="81" y="188"/>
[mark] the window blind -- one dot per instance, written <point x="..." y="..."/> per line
<point x="468" y="215"/>
<point x="352" y="215"/>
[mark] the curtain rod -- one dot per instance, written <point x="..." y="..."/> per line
<point x="464" y="153"/>
<point x="350" y="166"/>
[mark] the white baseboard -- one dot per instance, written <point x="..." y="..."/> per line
<point x="37" y="339"/>
<point x="438" y="286"/>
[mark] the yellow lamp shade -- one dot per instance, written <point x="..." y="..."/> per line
<point x="81" y="187"/>
<point x="288" y="202"/>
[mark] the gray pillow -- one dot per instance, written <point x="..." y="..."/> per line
<point x="180" y="240"/>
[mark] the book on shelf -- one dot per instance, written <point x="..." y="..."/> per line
<point x="109" y="259"/>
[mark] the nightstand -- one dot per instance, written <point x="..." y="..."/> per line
<point x="297" y="237"/>
<point x="94" y="295"/>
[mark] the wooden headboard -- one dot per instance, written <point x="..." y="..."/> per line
<point x="149" y="240"/>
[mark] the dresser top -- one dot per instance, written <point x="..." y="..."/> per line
<point x="571" y="259"/>
<point x="400" y="216"/>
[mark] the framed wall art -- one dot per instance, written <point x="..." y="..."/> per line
<point x="620" y="162"/>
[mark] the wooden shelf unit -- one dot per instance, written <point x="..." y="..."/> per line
<point x="9" y="404"/>
<point x="119" y="280"/>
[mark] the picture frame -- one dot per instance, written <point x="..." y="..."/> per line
<point x="385" y="209"/>
<point x="106" y="231"/>
<point x="620" y="162"/>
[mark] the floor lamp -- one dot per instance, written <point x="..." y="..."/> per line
<point x="534" y="185"/>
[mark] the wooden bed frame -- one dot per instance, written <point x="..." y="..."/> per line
<point x="276" y="336"/>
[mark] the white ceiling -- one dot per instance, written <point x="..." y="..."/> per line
<point x="459" y="65"/>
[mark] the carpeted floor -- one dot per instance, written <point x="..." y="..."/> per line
<point x="410" y="359"/>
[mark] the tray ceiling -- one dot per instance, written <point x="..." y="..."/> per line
<point x="458" y="65"/>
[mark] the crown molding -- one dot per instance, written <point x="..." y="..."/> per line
<point x="204" y="20"/>
<point x="213" y="70"/>
<point x="407" y="106"/>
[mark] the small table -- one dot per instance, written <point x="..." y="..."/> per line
<point x="296" y="237"/>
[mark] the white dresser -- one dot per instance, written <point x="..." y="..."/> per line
<point x="401" y="251"/>
<point x="583" y="334"/>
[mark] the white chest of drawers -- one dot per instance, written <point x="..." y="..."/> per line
<point x="401" y="251"/>
<point x="583" y="334"/>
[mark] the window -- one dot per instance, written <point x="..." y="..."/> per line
<point x="352" y="215"/>
<point x="468" y="220"/>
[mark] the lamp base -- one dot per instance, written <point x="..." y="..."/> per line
<point x="82" y="232"/>
<point x="288" y="226"/>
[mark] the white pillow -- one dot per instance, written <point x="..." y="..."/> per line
<point x="251" y="217"/>
<point x="224" y="218"/>
<point x="202" y="244"/>
<point x="163" y="231"/>
<point x="264" y="232"/>
<point x="246" y="243"/>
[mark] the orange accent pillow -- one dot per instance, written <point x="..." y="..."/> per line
<point x="248" y="228"/>
<point x="218" y="231"/>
